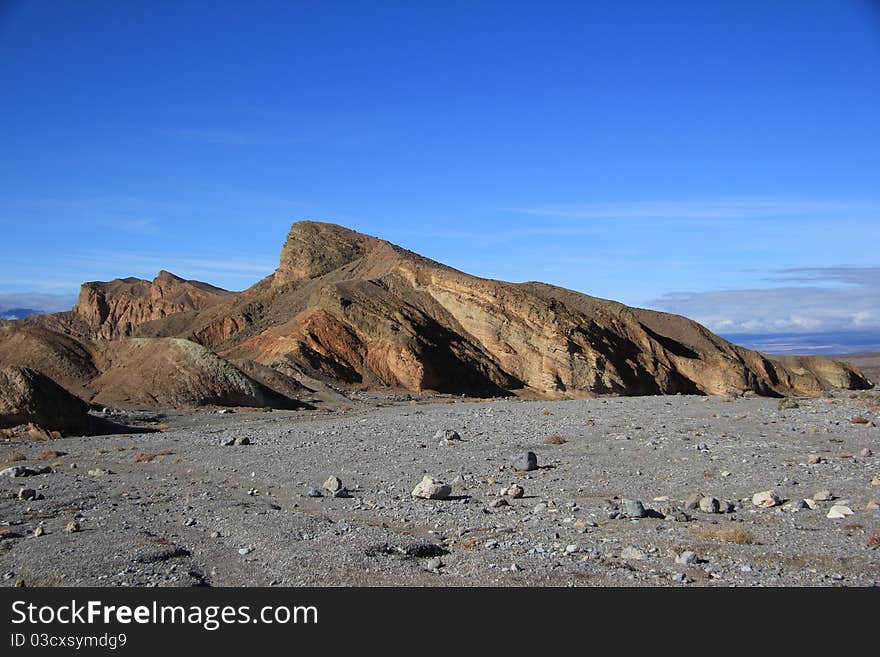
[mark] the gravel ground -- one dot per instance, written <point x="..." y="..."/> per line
<point x="240" y="515"/>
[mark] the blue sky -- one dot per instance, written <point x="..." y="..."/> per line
<point x="717" y="159"/>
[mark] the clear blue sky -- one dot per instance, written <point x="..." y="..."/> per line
<point x="720" y="159"/>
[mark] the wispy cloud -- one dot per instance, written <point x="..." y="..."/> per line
<point x="788" y="309"/>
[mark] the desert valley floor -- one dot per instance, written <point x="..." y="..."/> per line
<point x="179" y="506"/>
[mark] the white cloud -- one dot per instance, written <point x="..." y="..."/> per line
<point x="48" y="303"/>
<point x="790" y="309"/>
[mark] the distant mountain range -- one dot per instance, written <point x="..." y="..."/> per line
<point x="844" y="342"/>
<point x="18" y="313"/>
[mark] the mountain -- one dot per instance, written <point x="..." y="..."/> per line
<point x="343" y="307"/>
<point x="17" y="313"/>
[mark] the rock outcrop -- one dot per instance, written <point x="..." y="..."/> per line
<point x="114" y="309"/>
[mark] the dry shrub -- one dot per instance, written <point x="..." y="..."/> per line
<point x="146" y="457"/>
<point x="555" y="440"/>
<point x="858" y="419"/>
<point x="854" y="526"/>
<point x="736" y="535"/>
<point x="345" y="409"/>
<point x="546" y="412"/>
<point x="14" y="457"/>
<point x="874" y="539"/>
<point x="50" y="455"/>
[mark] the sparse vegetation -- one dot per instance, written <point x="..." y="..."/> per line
<point x="737" y="535"/>
<point x="555" y="440"/>
<point x="13" y="458"/>
<point x="147" y="457"/>
<point x="874" y="539"/>
<point x="50" y="455"/>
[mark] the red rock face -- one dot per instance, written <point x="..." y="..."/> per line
<point x="115" y="309"/>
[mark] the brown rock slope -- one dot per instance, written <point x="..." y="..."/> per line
<point x="176" y="372"/>
<point x="143" y="372"/>
<point x="358" y="309"/>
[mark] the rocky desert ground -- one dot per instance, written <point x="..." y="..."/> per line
<point x="683" y="491"/>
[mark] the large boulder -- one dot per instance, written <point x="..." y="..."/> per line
<point x="30" y="398"/>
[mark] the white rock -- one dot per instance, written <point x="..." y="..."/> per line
<point x="766" y="499"/>
<point x="839" y="511"/>
<point x="432" y="489"/>
<point x="333" y="484"/>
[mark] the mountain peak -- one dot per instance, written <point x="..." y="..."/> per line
<point x="315" y="248"/>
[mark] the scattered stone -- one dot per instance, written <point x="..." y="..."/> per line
<point x="571" y="549"/>
<point x="434" y="564"/>
<point x="823" y="496"/>
<point x="766" y="499"/>
<point x="630" y="553"/>
<point x="858" y="419"/>
<point x="687" y="558"/>
<point x="814" y="459"/>
<point x="710" y="505"/>
<point x="242" y="440"/>
<point x="26" y="494"/>
<point x="516" y="491"/>
<point x="72" y="527"/>
<point x="839" y="511"/>
<point x="333" y="484"/>
<point x="525" y="461"/>
<point x="634" y="509"/>
<point x="875" y="481"/>
<point x="39" y="531"/>
<point x="798" y="505"/>
<point x="25" y="471"/>
<point x="678" y="515"/>
<point x="500" y="502"/>
<point x="872" y="505"/>
<point x="447" y="437"/>
<point x="432" y="489"/>
<point x="540" y="507"/>
<point x="100" y="472"/>
<point x="314" y="492"/>
<point x="245" y="550"/>
<point x="787" y="404"/>
<point x="866" y="452"/>
<point x="692" y="501"/>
